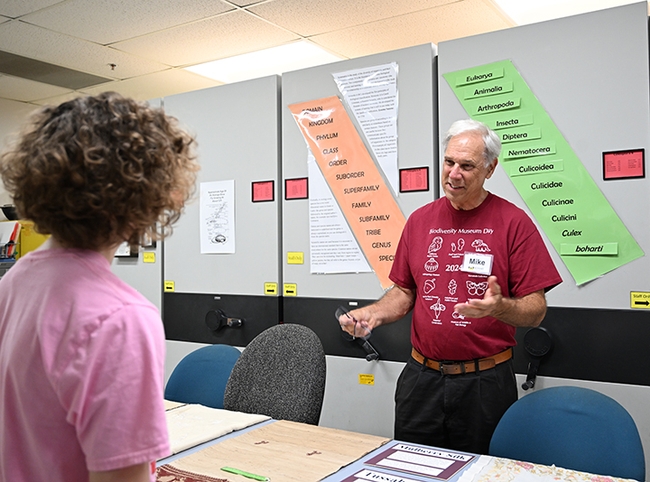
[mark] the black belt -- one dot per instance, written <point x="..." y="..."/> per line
<point x="461" y="367"/>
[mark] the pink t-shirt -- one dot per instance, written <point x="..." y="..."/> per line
<point x="81" y="370"/>
<point x="429" y="258"/>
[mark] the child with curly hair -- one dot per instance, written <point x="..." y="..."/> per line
<point x="81" y="352"/>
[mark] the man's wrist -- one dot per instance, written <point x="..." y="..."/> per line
<point x="503" y="306"/>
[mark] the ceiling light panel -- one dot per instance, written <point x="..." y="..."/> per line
<point x="276" y="60"/>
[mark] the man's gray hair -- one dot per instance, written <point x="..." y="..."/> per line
<point x="490" y="138"/>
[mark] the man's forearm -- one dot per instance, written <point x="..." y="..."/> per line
<point x="394" y="305"/>
<point x="521" y="312"/>
<point x="529" y="310"/>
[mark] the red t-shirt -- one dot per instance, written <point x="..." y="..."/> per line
<point x="429" y="257"/>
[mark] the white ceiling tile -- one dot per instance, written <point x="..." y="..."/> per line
<point x="160" y="84"/>
<point x="460" y="19"/>
<point x="306" y="17"/>
<point x="108" y="21"/>
<point x="223" y="36"/>
<point x="16" y="8"/>
<point x="144" y="38"/>
<point x="38" y="43"/>
<point x="27" y="90"/>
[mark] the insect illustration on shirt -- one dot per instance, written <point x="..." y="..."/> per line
<point x="437" y="307"/>
<point x="435" y="245"/>
<point x="476" y="289"/>
<point x="480" y="246"/>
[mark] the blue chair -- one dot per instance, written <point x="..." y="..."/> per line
<point x="201" y="376"/>
<point x="574" y="428"/>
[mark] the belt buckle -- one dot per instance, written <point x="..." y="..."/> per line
<point x="445" y="365"/>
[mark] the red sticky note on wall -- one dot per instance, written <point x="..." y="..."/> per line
<point x="296" y="188"/>
<point x="414" y="179"/>
<point x="624" y="164"/>
<point x="263" y="191"/>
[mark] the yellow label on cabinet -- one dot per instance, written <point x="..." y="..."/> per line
<point x="295" y="257"/>
<point x="290" y="289"/>
<point x="640" y="300"/>
<point x="169" y="286"/>
<point x="366" y="379"/>
<point x="149" y="257"/>
<point x="270" y="288"/>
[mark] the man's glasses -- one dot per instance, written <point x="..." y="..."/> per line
<point x="357" y="331"/>
<point x="360" y="334"/>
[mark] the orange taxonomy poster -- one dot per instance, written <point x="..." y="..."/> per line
<point x="354" y="179"/>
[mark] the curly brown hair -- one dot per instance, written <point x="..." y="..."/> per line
<point x="99" y="170"/>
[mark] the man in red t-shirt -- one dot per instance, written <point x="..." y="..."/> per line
<point x="472" y="267"/>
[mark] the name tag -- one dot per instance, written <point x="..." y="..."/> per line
<point x="479" y="263"/>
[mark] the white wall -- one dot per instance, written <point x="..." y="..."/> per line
<point x="12" y="116"/>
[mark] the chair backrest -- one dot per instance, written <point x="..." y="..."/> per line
<point x="574" y="428"/>
<point x="281" y="373"/>
<point x="201" y="376"/>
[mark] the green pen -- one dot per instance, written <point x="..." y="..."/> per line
<point x="245" y="474"/>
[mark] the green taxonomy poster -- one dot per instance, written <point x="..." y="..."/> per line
<point x="564" y="199"/>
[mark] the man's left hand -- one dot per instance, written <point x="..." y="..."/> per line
<point x="490" y="305"/>
<point x="529" y="310"/>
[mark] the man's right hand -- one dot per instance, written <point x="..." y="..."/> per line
<point x="395" y="304"/>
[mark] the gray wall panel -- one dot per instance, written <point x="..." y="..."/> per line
<point x="590" y="72"/>
<point x="237" y="130"/>
<point x="417" y="129"/>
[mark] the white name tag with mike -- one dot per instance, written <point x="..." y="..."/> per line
<point x="479" y="263"/>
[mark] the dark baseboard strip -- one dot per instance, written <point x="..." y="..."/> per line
<point x="588" y="344"/>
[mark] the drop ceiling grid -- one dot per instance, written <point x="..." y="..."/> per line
<point x="247" y="3"/>
<point x="428" y="26"/>
<point x="149" y="39"/>
<point x="468" y="18"/>
<point x="335" y="15"/>
<point x="110" y="21"/>
<point x="17" y="8"/>
<point x="232" y="33"/>
<point x="38" y="43"/>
